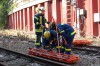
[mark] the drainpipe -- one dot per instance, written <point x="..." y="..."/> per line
<point x="78" y="21"/>
<point x="77" y="18"/>
<point x="75" y="4"/>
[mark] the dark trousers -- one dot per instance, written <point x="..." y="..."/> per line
<point x="38" y="39"/>
<point x="69" y="38"/>
<point x="45" y="43"/>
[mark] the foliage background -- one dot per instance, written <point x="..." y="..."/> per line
<point x="4" y="9"/>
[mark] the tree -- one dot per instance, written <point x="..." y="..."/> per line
<point x="4" y="9"/>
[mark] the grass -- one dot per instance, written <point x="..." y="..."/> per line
<point x="20" y="34"/>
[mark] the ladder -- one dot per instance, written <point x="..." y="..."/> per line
<point x="69" y="12"/>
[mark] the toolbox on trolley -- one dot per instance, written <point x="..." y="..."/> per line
<point x="53" y="55"/>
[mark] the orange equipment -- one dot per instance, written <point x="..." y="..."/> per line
<point x="82" y="42"/>
<point x="53" y="55"/>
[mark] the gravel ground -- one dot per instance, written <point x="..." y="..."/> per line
<point x="16" y="44"/>
<point x="22" y="46"/>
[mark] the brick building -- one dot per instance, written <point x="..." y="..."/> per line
<point x="83" y="15"/>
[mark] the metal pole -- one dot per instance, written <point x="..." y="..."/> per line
<point x="99" y="21"/>
<point x="75" y="3"/>
<point x="77" y="18"/>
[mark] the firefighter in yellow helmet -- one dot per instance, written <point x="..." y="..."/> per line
<point x="39" y="21"/>
<point x="49" y="39"/>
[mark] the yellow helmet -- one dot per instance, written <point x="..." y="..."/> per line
<point x="46" y="34"/>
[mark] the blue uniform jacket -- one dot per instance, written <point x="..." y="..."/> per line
<point x="66" y="28"/>
<point x="39" y="20"/>
<point x="53" y="34"/>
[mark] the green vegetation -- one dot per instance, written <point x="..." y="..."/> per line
<point x="4" y="9"/>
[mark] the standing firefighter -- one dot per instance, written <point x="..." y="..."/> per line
<point x="39" y="21"/>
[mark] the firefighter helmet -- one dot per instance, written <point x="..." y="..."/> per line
<point x="47" y="34"/>
<point x="41" y="8"/>
<point x="38" y="9"/>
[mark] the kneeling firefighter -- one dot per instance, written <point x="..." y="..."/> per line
<point x="49" y="39"/>
<point x="60" y="39"/>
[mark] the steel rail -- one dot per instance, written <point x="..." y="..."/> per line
<point x="35" y="58"/>
<point x="87" y="48"/>
<point x="76" y="48"/>
<point x="92" y="46"/>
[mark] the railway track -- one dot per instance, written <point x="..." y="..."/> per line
<point x="87" y="50"/>
<point x="11" y="58"/>
<point x="15" y="57"/>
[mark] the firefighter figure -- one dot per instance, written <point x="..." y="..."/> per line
<point x="60" y="39"/>
<point x="67" y="33"/>
<point x="49" y="39"/>
<point x="39" y="21"/>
